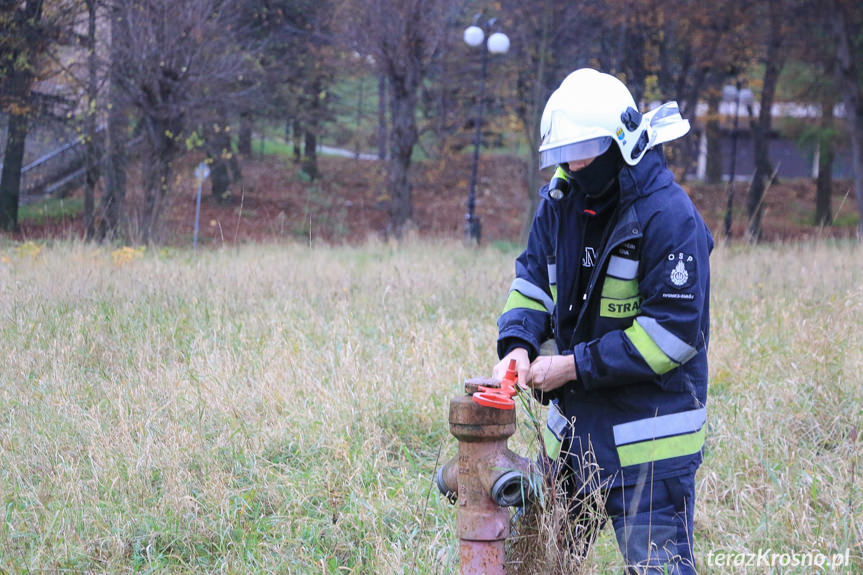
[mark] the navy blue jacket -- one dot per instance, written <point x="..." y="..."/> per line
<point x="640" y="337"/>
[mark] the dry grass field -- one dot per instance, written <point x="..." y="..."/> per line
<point x="281" y="408"/>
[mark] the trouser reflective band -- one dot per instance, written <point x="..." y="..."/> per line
<point x="555" y="427"/>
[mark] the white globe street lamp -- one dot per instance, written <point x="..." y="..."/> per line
<point x="474" y="36"/>
<point x="496" y="43"/>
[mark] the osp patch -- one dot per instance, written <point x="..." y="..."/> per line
<point x="680" y="270"/>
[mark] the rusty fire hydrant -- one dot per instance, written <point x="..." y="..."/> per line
<point x="484" y="479"/>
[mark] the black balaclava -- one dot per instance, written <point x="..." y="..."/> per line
<point x="599" y="176"/>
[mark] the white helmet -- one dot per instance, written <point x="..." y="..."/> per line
<point x="590" y="110"/>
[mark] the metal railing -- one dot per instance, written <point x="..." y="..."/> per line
<point x="60" y="171"/>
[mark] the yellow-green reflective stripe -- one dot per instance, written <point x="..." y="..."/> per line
<point x="517" y="300"/>
<point x="560" y="173"/>
<point x="652" y="354"/>
<point x="659" y="426"/>
<point x="619" y="307"/>
<point x="671" y="345"/>
<point x="554" y="430"/>
<point x="552" y="444"/>
<point x="665" y="448"/>
<point x="553" y="293"/>
<point x="533" y="292"/>
<point x="619" y="289"/>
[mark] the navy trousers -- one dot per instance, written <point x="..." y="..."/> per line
<point x="652" y="521"/>
<point x="653" y="525"/>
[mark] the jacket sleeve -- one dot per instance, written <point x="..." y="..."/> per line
<point x="670" y="327"/>
<point x="525" y="321"/>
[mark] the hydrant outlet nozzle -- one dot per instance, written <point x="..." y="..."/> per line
<point x="447" y="480"/>
<point x="511" y="489"/>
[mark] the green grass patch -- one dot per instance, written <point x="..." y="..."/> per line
<point x="51" y="209"/>
<point x="272" y="147"/>
<point x="847" y="219"/>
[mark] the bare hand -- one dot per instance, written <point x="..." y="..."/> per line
<point x="522" y="366"/>
<point x="548" y="372"/>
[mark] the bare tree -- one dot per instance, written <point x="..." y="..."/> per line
<point x="18" y="67"/>
<point x="177" y="60"/>
<point x="298" y="58"/>
<point x="544" y="37"/>
<point x="813" y="80"/>
<point x="773" y="58"/>
<point x="117" y="132"/>
<point x="826" y="156"/>
<point x="847" y="18"/>
<point x="92" y="155"/>
<point x="403" y="37"/>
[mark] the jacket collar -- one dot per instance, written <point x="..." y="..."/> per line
<point x="644" y="178"/>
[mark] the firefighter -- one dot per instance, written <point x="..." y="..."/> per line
<point x="613" y="287"/>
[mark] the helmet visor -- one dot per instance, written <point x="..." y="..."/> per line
<point x="574" y="151"/>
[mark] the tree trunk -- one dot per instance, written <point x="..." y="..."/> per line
<point x="219" y="153"/>
<point x="382" y="117"/>
<point x="311" y="126"/>
<point x="10" y="179"/>
<point x="310" y="153"/>
<point x="533" y="185"/>
<point x="244" y="138"/>
<point x="826" y="154"/>
<point x="220" y="182"/>
<point x="296" y="132"/>
<point x="92" y="153"/>
<point x="403" y="137"/>
<point x="686" y="150"/>
<point x="534" y="95"/>
<point x="633" y="61"/>
<point x="234" y="166"/>
<point x="157" y="175"/>
<point x="114" y="195"/>
<point x="761" y="129"/>
<point x="714" y="142"/>
<point x="157" y="178"/>
<point x="17" y="91"/>
<point x="848" y="75"/>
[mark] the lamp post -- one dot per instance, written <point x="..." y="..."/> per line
<point x="737" y="95"/>
<point x="495" y="43"/>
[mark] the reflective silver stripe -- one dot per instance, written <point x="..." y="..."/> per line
<point x="671" y="345"/>
<point x="556" y="422"/>
<point x="661" y="426"/>
<point x="526" y="288"/>
<point x="552" y="274"/>
<point x="622" y="268"/>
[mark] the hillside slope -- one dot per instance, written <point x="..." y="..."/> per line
<point x="348" y="203"/>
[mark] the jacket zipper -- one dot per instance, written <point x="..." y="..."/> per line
<point x="594" y="276"/>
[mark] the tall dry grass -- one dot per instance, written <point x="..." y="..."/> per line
<point x="281" y="409"/>
<point x="782" y="470"/>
